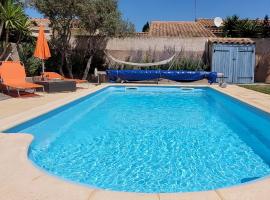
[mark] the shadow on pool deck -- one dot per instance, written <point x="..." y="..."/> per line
<point x="3" y="96"/>
<point x="14" y="94"/>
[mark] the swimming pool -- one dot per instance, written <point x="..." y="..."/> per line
<point x="152" y="140"/>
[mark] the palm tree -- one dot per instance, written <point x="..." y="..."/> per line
<point x="249" y="28"/>
<point x="13" y="19"/>
<point x="230" y="26"/>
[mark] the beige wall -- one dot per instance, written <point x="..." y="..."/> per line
<point x="124" y="48"/>
<point x="157" y="43"/>
<point x="262" y="72"/>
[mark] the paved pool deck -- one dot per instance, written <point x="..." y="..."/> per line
<point x="21" y="180"/>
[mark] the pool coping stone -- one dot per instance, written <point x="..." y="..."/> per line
<point x="25" y="181"/>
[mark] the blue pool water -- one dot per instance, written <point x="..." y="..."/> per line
<point x="153" y="139"/>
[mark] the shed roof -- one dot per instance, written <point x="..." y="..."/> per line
<point x="178" y="29"/>
<point x="231" y="40"/>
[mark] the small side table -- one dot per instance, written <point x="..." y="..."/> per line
<point x="52" y="86"/>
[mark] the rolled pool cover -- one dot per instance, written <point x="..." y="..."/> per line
<point x="174" y="75"/>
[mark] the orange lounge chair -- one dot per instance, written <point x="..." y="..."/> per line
<point x="54" y="75"/>
<point x="12" y="76"/>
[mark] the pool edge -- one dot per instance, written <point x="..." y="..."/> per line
<point x="259" y="189"/>
<point x="29" y="181"/>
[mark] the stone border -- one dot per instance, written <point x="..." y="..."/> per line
<point x="24" y="181"/>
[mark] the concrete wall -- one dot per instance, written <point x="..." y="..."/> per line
<point x="144" y="43"/>
<point x="121" y="48"/>
<point x="262" y="71"/>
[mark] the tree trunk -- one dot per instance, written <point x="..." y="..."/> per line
<point x="62" y="64"/>
<point x="88" y="66"/>
<point x="1" y="28"/>
<point x="3" y="55"/>
<point x="6" y="45"/>
<point x="69" y="68"/>
<point x="7" y="36"/>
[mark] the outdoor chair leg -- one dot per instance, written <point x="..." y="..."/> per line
<point x="18" y="92"/>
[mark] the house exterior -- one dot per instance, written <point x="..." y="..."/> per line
<point x="190" y="37"/>
<point x="37" y="22"/>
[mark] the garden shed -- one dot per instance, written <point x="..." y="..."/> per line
<point x="234" y="57"/>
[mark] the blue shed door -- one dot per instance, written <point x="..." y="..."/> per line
<point x="236" y="62"/>
<point x="222" y="61"/>
<point x="244" y="64"/>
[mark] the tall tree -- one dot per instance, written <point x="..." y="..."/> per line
<point x="146" y="27"/>
<point x="248" y="28"/>
<point x="2" y="3"/>
<point x="101" y="20"/>
<point x="230" y="26"/>
<point x="61" y="14"/>
<point x="13" y="21"/>
<point x="266" y="27"/>
<point x="97" y="20"/>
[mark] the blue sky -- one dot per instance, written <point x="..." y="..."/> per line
<point x="141" y="11"/>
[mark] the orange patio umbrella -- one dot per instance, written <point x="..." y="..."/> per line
<point x="42" y="50"/>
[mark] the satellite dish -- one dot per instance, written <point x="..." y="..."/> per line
<point x="218" y="21"/>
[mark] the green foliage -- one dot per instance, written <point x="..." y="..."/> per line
<point x="266" y="27"/>
<point x="14" y="18"/>
<point x="102" y="18"/>
<point x="97" y="20"/>
<point x="11" y="14"/>
<point x="125" y="28"/>
<point x="259" y="88"/>
<point x="61" y="14"/>
<point x="146" y="27"/>
<point x="14" y="23"/>
<point x="230" y="26"/>
<point x="235" y="27"/>
<point x="191" y="63"/>
<point x="248" y="28"/>
<point x="32" y="64"/>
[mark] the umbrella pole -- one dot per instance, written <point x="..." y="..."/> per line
<point x="43" y="66"/>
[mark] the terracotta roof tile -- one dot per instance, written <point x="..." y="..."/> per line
<point x="210" y="25"/>
<point x="231" y="41"/>
<point x="178" y="29"/>
<point x="206" y="22"/>
<point x="42" y="21"/>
